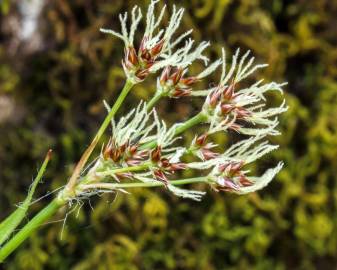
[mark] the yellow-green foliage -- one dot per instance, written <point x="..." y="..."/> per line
<point x="57" y="93"/>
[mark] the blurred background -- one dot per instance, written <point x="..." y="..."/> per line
<point x="55" y="70"/>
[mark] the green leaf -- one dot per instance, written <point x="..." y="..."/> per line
<point x="14" y="219"/>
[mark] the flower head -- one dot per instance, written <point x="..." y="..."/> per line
<point x="228" y="107"/>
<point x="228" y="172"/>
<point x="157" y="47"/>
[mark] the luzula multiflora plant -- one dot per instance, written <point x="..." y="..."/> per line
<point x="143" y="151"/>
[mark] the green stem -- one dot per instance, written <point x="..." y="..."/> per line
<point x="153" y="101"/>
<point x="72" y="181"/>
<point x="30" y="227"/>
<point x="195" y="120"/>
<point x="141" y="185"/>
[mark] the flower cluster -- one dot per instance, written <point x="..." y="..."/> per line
<point x="143" y="149"/>
<point x="140" y="148"/>
<point x="227" y="107"/>
<point x="157" y="48"/>
<point x="227" y="172"/>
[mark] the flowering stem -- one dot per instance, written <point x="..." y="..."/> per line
<point x="140" y="184"/>
<point x="52" y="208"/>
<point x="72" y="181"/>
<point x="154" y="100"/>
<point x="30" y="227"/>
